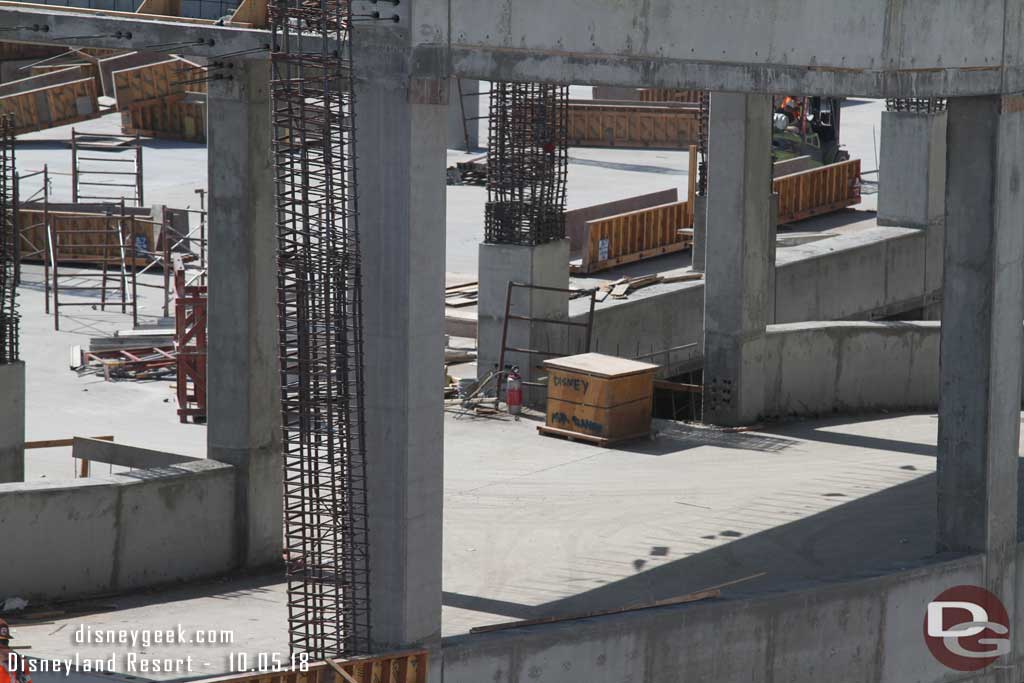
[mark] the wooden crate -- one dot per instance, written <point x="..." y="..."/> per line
<point x="635" y="236"/>
<point x="597" y="398"/>
<point x="818" y="191"/>
<point x="596" y="124"/>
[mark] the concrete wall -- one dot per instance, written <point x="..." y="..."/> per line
<point x="867" y="631"/>
<point x="118" y="532"/>
<point x="818" y="368"/>
<point x="867" y="275"/>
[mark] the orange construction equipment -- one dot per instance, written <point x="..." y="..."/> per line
<point x="7" y="676"/>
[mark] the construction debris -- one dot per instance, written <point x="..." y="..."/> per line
<point x="472" y="172"/>
<point x="620" y="289"/>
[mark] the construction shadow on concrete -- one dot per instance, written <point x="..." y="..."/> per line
<point x="887" y="531"/>
<point x="634" y="168"/>
<point x="674" y="437"/>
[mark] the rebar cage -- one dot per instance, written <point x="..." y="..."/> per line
<point x="320" y="329"/>
<point x="8" y="244"/>
<point x="527" y="163"/>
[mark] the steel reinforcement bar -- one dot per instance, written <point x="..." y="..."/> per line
<point x="321" y="329"/>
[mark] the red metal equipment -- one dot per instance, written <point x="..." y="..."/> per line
<point x="190" y="344"/>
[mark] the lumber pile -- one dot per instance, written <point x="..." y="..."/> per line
<point x="472" y="172"/>
<point x="458" y="296"/>
<point x="621" y="288"/>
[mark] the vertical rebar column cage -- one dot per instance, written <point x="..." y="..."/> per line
<point x="703" y="126"/>
<point x="527" y="163"/>
<point x="8" y="244"/>
<point x="320" y="329"/>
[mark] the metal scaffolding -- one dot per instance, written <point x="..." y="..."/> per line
<point x="527" y="163"/>
<point x="8" y="244"/>
<point x="320" y="329"/>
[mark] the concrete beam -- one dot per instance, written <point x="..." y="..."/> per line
<point x="243" y="373"/>
<point x="401" y="150"/>
<point x="981" y="355"/>
<point x="740" y="245"/>
<point x="12" y="422"/>
<point x="96" y="28"/>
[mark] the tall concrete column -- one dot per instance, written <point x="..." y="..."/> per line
<point x="739" y="242"/>
<point x="700" y="233"/>
<point x="401" y="125"/>
<point x="463" y="114"/>
<point x="12" y="422"/>
<point x="912" y="188"/>
<point x="243" y="372"/>
<point x="544" y="265"/>
<point x="979" y="405"/>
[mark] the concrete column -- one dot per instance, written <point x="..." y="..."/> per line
<point x="546" y="265"/>
<point x="466" y="112"/>
<point x="982" y="336"/>
<point x="700" y="233"/>
<point x="739" y="242"/>
<point x="12" y="422"/>
<point x="401" y="126"/>
<point x="243" y="373"/>
<point x="912" y="188"/>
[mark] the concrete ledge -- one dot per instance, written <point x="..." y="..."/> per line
<point x="870" y="274"/>
<point x="819" y="368"/>
<point x="119" y="532"/>
<point x="865" y="630"/>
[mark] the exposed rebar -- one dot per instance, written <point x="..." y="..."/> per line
<point x="320" y="329"/>
<point x="8" y="245"/>
<point x="527" y="163"/>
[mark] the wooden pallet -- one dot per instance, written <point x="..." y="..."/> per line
<point x="587" y="438"/>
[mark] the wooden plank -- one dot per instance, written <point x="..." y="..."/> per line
<point x="600" y="365"/>
<point x="60" y="443"/>
<point x="253" y="12"/>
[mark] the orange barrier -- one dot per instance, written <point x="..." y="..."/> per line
<point x="818" y="191"/>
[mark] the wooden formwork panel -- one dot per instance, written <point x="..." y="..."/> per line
<point x="669" y="95"/>
<point x="818" y="191"/>
<point x="153" y="81"/>
<point x="609" y="125"/>
<point x="86" y="69"/>
<point x="81" y="237"/>
<point x="635" y="236"/>
<point x="19" y="51"/>
<point x="54" y="105"/>
<point x="167" y="117"/>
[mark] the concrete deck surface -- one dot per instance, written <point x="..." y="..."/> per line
<point x="537" y="526"/>
<point x="534" y="526"/>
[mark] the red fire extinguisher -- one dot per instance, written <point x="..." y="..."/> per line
<point x="514" y="392"/>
